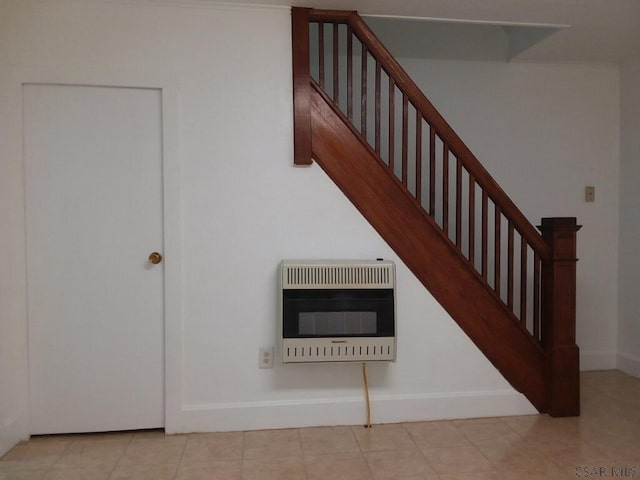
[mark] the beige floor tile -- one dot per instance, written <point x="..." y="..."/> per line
<point x="437" y="434"/>
<point x="33" y="455"/>
<point x="42" y="463"/>
<point x="159" y="456"/>
<point x="154" y="451"/>
<point x="213" y="447"/>
<point x="95" y="449"/>
<point x="324" y="440"/>
<point x="520" y="422"/>
<point x="624" y="452"/>
<point x="144" y="472"/>
<point x="457" y="460"/>
<point x="217" y="438"/>
<point x="482" y="433"/>
<point x="383" y="437"/>
<point x="38" y="446"/>
<point x="399" y="464"/>
<point x="91" y="473"/>
<point x="272" y="444"/>
<point x="560" y="430"/>
<point x="22" y="475"/>
<point x="217" y="470"/>
<point x="476" y="421"/>
<point x="518" y="458"/>
<point x="159" y="435"/>
<point x="348" y="466"/>
<point x="607" y="421"/>
<point x="158" y="440"/>
<point x="95" y="443"/>
<point x="100" y="458"/>
<point x="472" y="476"/>
<point x="108" y="437"/>
<point x="425" y="476"/>
<point x="284" y="468"/>
<point x="546" y="433"/>
<point x="547" y="442"/>
<point x="578" y="454"/>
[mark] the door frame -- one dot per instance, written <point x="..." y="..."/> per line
<point x="167" y="84"/>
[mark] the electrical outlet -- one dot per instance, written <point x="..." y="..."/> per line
<point x="265" y="357"/>
<point x="589" y="193"/>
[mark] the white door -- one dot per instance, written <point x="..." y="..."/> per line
<point x="93" y="180"/>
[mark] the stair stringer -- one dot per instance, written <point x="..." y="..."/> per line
<point x="379" y="196"/>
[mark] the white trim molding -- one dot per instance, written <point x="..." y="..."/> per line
<point x="220" y="417"/>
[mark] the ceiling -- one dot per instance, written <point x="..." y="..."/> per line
<point x="512" y="30"/>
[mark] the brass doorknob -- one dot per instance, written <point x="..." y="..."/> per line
<point x="155" y="258"/>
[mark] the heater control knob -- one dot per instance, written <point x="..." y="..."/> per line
<point x="155" y="258"/>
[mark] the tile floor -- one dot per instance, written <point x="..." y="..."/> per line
<point x="602" y="443"/>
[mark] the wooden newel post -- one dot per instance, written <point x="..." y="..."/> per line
<point x="301" y="86"/>
<point x="559" y="317"/>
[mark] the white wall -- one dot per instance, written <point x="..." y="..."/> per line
<point x="13" y="366"/>
<point x="629" y="327"/>
<point x="545" y="131"/>
<point x="245" y="207"/>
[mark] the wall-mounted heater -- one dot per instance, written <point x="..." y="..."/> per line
<point x="338" y="311"/>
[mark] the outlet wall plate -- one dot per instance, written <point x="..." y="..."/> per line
<point x="265" y="357"/>
<point x="589" y="193"/>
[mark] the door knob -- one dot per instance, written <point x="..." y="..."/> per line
<point x="155" y="258"/>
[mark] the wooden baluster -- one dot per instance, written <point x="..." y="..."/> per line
<point x="419" y="157"/>
<point x="301" y="87"/>
<point x="485" y="233"/>
<point x="472" y="221"/>
<point x="445" y="189"/>
<point x="321" y="54"/>
<point x="559" y="313"/>
<point x="536" y="295"/>
<point x="432" y="171"/>
<point x="349" y="74"/>
<point x="392" y="123"/>
<point x="523" y="281"/>
<point x="405" y="138"/>
<point x="336" y="57"/>
<point x="458" y="203"/>
<point x="510" y="266"/>
<point x="497" y="250"/>
<point x="377" y="89"/>
<point x="363" y="99"/>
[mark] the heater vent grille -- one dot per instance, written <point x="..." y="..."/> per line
<point x="316" y="350"/>
<point x="333" y="275"/>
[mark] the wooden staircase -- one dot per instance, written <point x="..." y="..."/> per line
<point x="371" y="129"/>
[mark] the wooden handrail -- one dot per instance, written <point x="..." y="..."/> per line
<point x="331" y="16"/>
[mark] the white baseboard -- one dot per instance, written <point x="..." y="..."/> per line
<point x="350" y="411"/>
<point x="629" y="364"/>
<point x="594" y="360"/>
